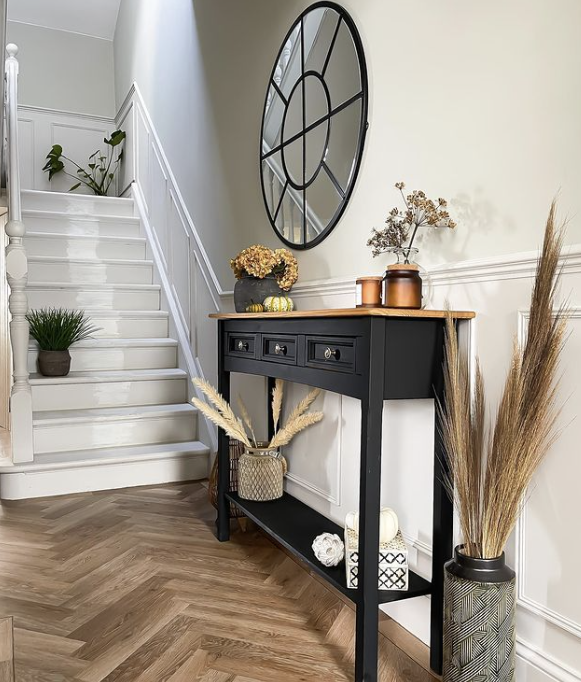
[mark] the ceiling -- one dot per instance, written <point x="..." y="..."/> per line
<point x="90" y="17"/>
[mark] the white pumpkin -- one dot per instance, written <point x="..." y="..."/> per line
<point x="388" y="524"/>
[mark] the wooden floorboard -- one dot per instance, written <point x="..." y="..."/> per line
<point x="132" y="586"/>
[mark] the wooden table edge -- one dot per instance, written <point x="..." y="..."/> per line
<point x="350" y="312"/>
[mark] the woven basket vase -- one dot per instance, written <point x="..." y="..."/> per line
<point x="260" y="474"/>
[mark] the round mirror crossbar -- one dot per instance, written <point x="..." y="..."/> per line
<point x="314" y="125"/>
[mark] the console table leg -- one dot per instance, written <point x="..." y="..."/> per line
<point x="366" y="627"/>
<point x="442" y="542"/>
<point x="223" y="516"/>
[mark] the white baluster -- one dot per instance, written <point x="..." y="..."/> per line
<point x="17" y="276"/>
<point x="286" y="54"/>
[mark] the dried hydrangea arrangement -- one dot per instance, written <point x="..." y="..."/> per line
<point x="260" y="262"/>
<point x="401" y="225"/>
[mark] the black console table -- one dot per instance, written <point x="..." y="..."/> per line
<point x="374" y="355"/>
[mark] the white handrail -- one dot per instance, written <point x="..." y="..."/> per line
<point x="17" y="276"/>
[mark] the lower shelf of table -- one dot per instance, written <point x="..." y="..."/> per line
<point x="295" y="525"/>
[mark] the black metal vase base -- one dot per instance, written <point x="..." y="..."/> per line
<point x="479" y="620"/>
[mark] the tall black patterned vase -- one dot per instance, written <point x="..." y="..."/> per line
<point x="479" y="620"/>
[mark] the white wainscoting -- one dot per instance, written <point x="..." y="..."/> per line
<point x="79" y="134"/>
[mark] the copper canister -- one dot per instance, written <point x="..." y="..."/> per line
<point x="369" y="292"/>
<point x="402" y="286"/>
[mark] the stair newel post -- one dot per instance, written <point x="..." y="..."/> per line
<point x="17" y="276"/>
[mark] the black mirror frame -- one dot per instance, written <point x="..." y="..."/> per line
<point x="345" y="17"/>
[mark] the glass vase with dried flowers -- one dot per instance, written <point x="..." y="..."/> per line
<point x="403" y="280"/>
<point x="261" y="272"/>
<point x="261" y="467"/>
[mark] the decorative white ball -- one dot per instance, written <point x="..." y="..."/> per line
<point x="329" y="549"/>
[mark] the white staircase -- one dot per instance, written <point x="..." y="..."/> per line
<point x="121" y="417"/>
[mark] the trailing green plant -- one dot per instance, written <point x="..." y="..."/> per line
<point x="101" y="167"/>
<point x="58" y="329"/>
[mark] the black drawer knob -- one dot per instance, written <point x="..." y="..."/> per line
<point x="242" y="346"/>
<point x="279" y="349"/>
<point x="331" y="353"/>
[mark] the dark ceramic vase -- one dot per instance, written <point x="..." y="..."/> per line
<point x="250" y="290"/>
<point x="54" y="363"/>
<point x="479" y="620"/>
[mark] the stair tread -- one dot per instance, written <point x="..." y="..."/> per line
<point x="110" y="413"/>
<point x="134" y="453"/>
<point x="76" y="197"/>
<point x="109" y="375"/>
<point x="89" y="261"/>
<point x="84" y="217"/>
<point x="129" y="314"/>
<point x="102" y="343"/>
<point x="87" y="237"/>
<point x="91" y="286"/>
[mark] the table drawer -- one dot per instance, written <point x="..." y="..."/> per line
<point x="280" y="348"/>
<point x="241" y="345"/>
<point x="336" y="354"/>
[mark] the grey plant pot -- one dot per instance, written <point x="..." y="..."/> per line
<point x="250" y="290"/>
<point x="54" y="363"/>
<point x="479" y="620"/>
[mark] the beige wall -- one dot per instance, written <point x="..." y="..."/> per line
<point x="474" y="102"/>
<point x="62" y="70"/>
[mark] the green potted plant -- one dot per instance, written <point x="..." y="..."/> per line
<point x="55" y="330"/>
<point x="492" y="462"/>
<point x="101" y="167"/>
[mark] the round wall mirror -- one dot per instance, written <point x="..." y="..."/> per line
<point x="314" y="125"/>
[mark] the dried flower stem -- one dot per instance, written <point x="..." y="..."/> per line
<point x="277" y="396"/>
<point x="246" y="419"/>
<point x="491" y="474"/>
<point x="288" y="432"/>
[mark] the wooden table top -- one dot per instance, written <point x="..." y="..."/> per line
<point x="350" y="312"/>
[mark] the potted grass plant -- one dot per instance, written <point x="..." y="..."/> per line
<point x="492" y="463"/>
<point x="56" y="330"/>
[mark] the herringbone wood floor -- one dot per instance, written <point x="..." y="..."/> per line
<point x="131" y="585"/>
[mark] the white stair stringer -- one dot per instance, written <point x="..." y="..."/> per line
<point x="121" y="417"/>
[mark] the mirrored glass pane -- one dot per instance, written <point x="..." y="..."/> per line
<point x="290" y="217"/>
<point x="319" y="29"/>
<point x="323" y="200"/>
<point x="293" y="161"/>
<point x="344" y="136"/>
<point x="316" y="147"/>
<point x="316" y="100"/>
<point x="273" y="182"/>
<point x="343" y="76"/>
<point x="293" y="121"/>
<point x="289" y="65"/>
<point x="273" y="116"/>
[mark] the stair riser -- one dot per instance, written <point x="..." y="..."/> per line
<point x="70" y="225"/>
<point x="131" y="328"/>
<point x="108" y="434"/>
<point x="90" y="395"/>
<point x="97" y="273"/>
<point x="116" y="300"/>
<point x="89" y="359"/>
<point x="81" y="205"/>
<point x="84" y="248"/>
<point x="18" y="486"/>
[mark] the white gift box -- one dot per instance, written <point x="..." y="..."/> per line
<point x="393" y="562"/>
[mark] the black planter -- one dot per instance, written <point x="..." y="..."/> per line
<point x="54" y="363"/>
<point x="479" y="619"/>
<point x="250" y="290"/>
